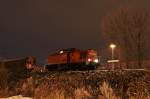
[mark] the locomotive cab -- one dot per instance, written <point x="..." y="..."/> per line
<point x="92" y="58"/>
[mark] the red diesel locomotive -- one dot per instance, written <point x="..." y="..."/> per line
<point x="73" y="59"/>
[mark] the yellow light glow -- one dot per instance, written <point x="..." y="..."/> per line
<point x="61" y="52"/>
<point x="89" y="60"/>
<point x="112" y="46"/>
<point x="96" y="60"/>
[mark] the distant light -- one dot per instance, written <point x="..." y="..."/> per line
<point x="112" y="61"/>
<point x="112" y="46"/>
<point x="61" y="52"/>
<point x="29" y="66"/>
<point x="96" y="60"/>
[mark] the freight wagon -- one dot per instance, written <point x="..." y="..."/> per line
<point x="18" y="67"/>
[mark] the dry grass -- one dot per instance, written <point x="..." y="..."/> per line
<point x="55" y="94"/>
<point x="81" y="93"/>
<point x="17" y="97"/>
<point x="83" y="86"/>
<point x="45" y="92"/>
<point x="107" y="91"/>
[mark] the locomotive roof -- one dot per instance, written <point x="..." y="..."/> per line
<point x="70" y="49"/>
<point x="65" y="50"/>
<point x="74" y="49"/>
<point x="15" y="59"/>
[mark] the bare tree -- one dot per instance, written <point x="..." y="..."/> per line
<point x="129" y="28"/>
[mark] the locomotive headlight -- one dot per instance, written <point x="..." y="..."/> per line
<point x="96" y="60"/>
<point x="89" y="60"/>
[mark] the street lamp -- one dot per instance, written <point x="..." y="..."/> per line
<point x="112" y="46"/>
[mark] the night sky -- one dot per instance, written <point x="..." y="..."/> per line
<point x="39" y="27"/>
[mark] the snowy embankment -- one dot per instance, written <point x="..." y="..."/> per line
<point x="17" y="97"/>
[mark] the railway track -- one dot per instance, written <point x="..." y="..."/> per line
<point x="105" y="70"/>
<point x="89" y="71"/>
<point x="96" y="71"/>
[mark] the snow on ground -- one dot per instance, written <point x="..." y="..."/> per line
<point x="17" y="97"/>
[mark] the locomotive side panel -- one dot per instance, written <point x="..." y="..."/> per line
<point x="57" y="59"/>
<point x="64" y="57"/>
<point x="76" y="57"/>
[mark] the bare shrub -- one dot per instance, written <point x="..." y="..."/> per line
<point x="27" y="88"/>
<point x="3" y="76"/>
<point x="3" y="81"/>
<point x="7" y="92"/>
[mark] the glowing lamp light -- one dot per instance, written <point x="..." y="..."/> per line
<point x="61" y="52"/>
<point x="96" y="60"/>
<point x="89" y="60"/>
<point x="112" y="46"/>
<point x="29" y="66"/>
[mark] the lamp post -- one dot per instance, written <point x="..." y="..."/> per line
<point x="112" y="46"/>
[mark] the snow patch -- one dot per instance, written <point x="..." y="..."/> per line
<point x="17" y="97"/>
